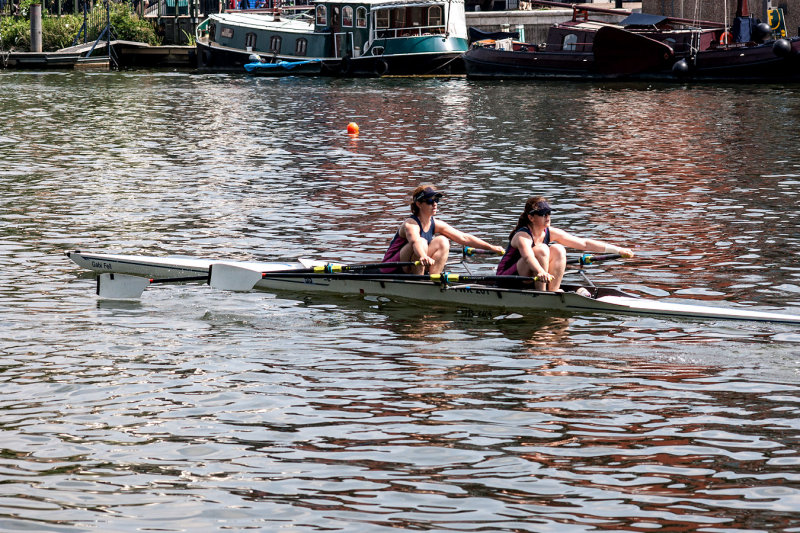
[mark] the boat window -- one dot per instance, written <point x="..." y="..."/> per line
<point x="398" y="17"/>
<point x="435" y="16"/>
<point x="347" y="16"/>
<point x="275" y="43"/>
<point x="301" y="47"/>
<point x="570" y="42"/>
<point x="212" y="32"/>
<point x="361" y="17"/>
<point x="226" y="32"/>
<point x="382" y="18"/>
<point x="250" y="40"/>
<point x="322" y="15"/>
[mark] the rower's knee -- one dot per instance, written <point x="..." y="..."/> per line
<point x="558" y="254"/>
<point x="440" y="242"/>
<point x="542" y="253"/>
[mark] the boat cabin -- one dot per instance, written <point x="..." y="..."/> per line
<point x="377" y="26"/>
<point x="344" y="29"/>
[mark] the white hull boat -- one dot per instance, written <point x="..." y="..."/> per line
<point x="140" y="271"/>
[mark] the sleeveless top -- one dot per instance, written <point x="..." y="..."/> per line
<point x="508" y="263"/>
<point x="398" y="242"/>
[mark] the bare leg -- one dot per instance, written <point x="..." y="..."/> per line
<point x="407" y="254"/>
<point x="439" y="250"/>
<point x="542" y="254"/>
<point x="557" y="265"/>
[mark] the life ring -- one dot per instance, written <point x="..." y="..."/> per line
<point x="725" y="38"/>
<point x="380" y="67"/>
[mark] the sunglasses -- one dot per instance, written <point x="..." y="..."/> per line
<point x="431" y="201"/>
<point x="540" y="212"/>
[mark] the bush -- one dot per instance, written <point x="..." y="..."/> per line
<point x="128" y="26"/>
<point x="60" y="32"/>
<point x="15" y="33"/>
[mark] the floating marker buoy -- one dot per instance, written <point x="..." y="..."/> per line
<point x="352" y="128"/>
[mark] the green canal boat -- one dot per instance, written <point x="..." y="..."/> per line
<point x="349" y="38"/>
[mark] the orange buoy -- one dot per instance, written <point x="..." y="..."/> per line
<point x="725" y="38"/>
<point x="352" y="128"/>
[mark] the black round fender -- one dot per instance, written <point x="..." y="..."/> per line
<point x="380" y="67"/>
<point x="680" y="68"/>
<point x="782" y="48"/>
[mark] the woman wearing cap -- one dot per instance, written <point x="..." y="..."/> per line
<point x="536" y="249"/>
<point x="424" y="239"/>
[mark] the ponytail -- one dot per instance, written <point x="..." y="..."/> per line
<point x="523" y="221"/>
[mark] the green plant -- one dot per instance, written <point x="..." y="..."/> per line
<point x="59" y="32"/>
<point x="129" y="26"/>
<point x="16" y="33"/>
<point x="190" y="39"/>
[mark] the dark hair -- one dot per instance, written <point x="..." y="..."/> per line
<point x="523" y="221"/>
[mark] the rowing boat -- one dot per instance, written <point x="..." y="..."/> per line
<point x="139" y="271"/>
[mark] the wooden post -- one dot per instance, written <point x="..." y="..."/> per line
<point x="36" y="27"/>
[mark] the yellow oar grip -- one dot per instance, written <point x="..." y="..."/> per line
<point x="447" y="278"/>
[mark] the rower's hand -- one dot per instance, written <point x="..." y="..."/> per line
<point x="499" y="250"/>
<point x="627" y="253"/>
<point x="426" y="260"/>
<point x="544" y="275"/>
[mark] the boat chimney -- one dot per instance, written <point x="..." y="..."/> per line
<point x="741" y="9"/>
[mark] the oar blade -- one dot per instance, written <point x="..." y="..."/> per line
<point x="121" y="286"/>
<point x="233" y="277"/>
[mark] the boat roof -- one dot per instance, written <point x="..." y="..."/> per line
<point x="262" y="20"/>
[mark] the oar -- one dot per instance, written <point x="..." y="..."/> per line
<point x="124" y="286"/>
<point x="239" y="278"/>
<point x="588" y="259"/>
<point x="469" y="251"/>
<point x="333" y="267"/>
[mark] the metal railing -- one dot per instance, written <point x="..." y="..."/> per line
<point x="411" y="31"/>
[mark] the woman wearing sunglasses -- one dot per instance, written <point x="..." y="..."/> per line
<point x="536" y="249"/>
<point x="424" y="239"/>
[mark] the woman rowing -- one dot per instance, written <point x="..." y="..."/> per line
<point x="423" y="238"/>
<point x="536" y="249"/>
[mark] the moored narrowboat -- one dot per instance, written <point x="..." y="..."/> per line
<point x="348" y="38"/>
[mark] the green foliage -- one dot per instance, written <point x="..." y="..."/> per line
<point x="15" y="33"/>
<point x="128" y="26"/>
<point x="190" y="39"/>
<point x="59" y="32"/>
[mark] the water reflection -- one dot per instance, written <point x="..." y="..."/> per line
<point x="197" y="409"/>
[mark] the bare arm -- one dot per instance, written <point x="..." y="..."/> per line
<point x="523" y="242"/>
<point x="418" y="244"/>
<point x="589" y="245"/>
<point x="465" y="238"/>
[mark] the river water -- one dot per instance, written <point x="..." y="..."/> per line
<point x="200" y="410"/>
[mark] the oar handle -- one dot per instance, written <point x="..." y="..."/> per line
<point x="588" y="259"/>
<point x="469" y="251"/>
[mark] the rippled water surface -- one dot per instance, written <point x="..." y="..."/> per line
<point x="200" y="410"/>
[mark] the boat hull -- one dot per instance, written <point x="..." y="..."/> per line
<point x="462" y="296"/>
<point x="759" y="63"/>
<point x="215" y="58"/>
